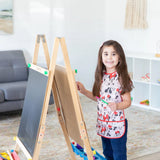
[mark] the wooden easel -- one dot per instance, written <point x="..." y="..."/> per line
<point x="51" y="64"/>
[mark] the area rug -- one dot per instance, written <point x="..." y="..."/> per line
<point x="143" y="132"/>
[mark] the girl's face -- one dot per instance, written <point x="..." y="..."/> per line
<point x="110" y="58"/>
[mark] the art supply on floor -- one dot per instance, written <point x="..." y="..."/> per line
<point x="145" y="102"/>
<point x="81" y="152"/>
<point x="4" y="156"/>
<point x="14" y="155"/>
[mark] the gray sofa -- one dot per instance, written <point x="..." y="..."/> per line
<point x="13" y="80"/>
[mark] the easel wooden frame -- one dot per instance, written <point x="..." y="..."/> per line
<point x="51" y="84"/>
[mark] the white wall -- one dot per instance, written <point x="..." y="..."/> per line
<point x="85" y="32"/>
<point x="85" y="24"/>
<point x="82" y="23"/>
<point x="141" y="41"/>
<point x="30" y="18"/>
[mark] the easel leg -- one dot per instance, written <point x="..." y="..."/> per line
<point x="76" y="101"/>
<point x="61" y="121"/>
<point x="17" y="148"/>
<point x="36" y="50"/>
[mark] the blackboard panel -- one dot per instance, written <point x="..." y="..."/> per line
<point x="32" y="109"/>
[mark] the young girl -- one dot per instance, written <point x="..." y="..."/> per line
<point x="111" y="90"/>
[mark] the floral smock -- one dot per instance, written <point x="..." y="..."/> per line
<point x="110" y="124"/>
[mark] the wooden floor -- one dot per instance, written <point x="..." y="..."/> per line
<point x="154" y="156"/>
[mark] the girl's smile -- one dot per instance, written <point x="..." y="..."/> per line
<point x="110" y="58"/>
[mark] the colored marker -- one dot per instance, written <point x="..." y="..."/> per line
<point x="102" y="100"/>
<point x="94" y="152"/>
<point x="29" y="65"/>
<point x="97" y="97"/>
<point x="76" y="71"/>
<point x="78" y="146"/>
<point x="14" y="155"/>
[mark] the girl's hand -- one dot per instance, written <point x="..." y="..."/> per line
<point x="113" y="106"/>
<point x="81" y="87"/>
<point x="84" y="91"/>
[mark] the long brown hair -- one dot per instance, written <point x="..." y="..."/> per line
<point x="121" y="68"/>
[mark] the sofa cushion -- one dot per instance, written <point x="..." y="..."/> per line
<point x="1" y="96"/>
<point x="12" y="66"/>
<point x="14" y="90"/>
<point x="11" y="105"/>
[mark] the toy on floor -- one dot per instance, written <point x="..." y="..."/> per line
<point x="81" y="152"/>
<point x="145" y="102"/>
<point x="4" y="156"/>
<point x="158" y="81"/>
